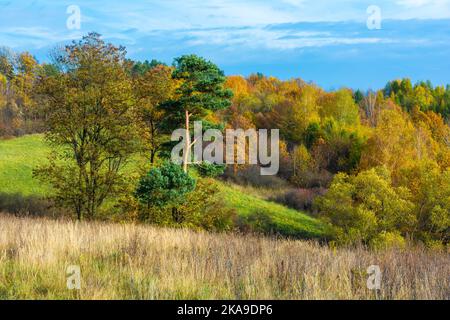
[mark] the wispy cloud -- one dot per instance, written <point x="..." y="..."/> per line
<point x="421" y="3"/>
<point x="422" y="9"/>
<point x="322" y="37"/>
<point x="270" y="38"/>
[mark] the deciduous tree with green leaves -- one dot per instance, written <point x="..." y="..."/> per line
<point x="366" y="208"/>
<point x="91" y="123"/>
<point x="153" y="88"/>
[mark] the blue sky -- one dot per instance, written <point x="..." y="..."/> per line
<point x="326" y="42"/>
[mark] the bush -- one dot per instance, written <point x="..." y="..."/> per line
<point x="251" y="176"/>
<point x="207" y="169"/>
<point x="21" y="205"/>
<point x="203" y="209"/>
<point x="164" y="185"/>
<point x="361" y="208"/>
<point x="259" y="223"/>
<point x="313" y="179"/>
<point x="430" y="188"/>
<point x="300" y="199"/>
<point x="386" y="240"/>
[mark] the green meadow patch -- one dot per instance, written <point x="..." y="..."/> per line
<point x="19" y="156"/>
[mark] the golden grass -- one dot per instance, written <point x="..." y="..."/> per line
<point x="141" y="262"/>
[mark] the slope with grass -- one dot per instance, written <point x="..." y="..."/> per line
<point x="267" y="216"/>
<point x="19" y="156"/>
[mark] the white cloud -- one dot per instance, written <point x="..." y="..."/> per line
<point x="295" y="3"/>
<point x="218" y="22"/>
<point x="415" y="3"/>
<point x="422" y="9"/>
<point x="37" y="37"/>
<point x="262" y="38"/>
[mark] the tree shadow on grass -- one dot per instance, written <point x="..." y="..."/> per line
<point x="21" y="205"/>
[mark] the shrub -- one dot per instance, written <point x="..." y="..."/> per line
<point x="313" y="179"/>
<point x="430" y="188"/>
<point x="250" y="175"/>
<point x="21" y="205"/>
<point x="359" y="208"/>
<point x="165" y="185"/>
<point x="257" y="222"/>
<point x="300" y="199"/>
<point x="207" y="169"/>
<point x="203" y="209"/>
<point x="386" y="240"/>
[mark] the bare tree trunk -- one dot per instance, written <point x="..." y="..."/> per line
<point x="186" y="154"/>
<point x="370" y="105"/>
<point x="152" y="156"/>
<point x="153" y="144"/>
<point x="78" y="211"/>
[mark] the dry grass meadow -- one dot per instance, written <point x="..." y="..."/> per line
<point x="141" y="262"/>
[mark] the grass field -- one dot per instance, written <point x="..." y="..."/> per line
<point x="19" y="156"/>
<point x="288" y="222"/>
<point x="126" y="261"/>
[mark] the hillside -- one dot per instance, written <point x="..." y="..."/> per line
<point x="19" y="156"/>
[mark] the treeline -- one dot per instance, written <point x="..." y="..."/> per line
<point x="374" y="165"/>
<point x="19" y="113"/>
<point x="376" y="169"/>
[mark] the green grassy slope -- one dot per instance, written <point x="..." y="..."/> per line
<point x="271" y="216"/>
<point x="19" y="156"/>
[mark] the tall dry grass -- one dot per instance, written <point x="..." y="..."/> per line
<point x="141" y="262"/>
